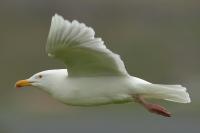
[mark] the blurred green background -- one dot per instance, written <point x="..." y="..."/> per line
<point x="159" y="41"/>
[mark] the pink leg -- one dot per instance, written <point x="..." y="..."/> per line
<point x="153" y="108"/>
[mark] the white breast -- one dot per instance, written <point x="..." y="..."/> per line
<point x="94" y="90"/>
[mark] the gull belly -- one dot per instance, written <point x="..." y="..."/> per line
<point x="91" y="91"/>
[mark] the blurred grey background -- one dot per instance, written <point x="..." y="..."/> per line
<point x="159" y="40"/>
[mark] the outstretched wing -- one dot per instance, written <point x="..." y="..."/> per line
<point x="84" y="55"/>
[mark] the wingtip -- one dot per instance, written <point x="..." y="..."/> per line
<point x="55" y="16"/>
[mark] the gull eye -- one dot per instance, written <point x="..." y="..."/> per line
<point x="39" y="76"/>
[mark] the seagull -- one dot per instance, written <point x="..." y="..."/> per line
<point x="95" y="75"/>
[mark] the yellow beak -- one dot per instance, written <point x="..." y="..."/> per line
<point x="22" y="83"/>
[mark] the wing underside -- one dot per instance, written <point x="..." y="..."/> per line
<point x="83" y="54"/>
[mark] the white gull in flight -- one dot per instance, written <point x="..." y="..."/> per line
<point x="95" y="75"/>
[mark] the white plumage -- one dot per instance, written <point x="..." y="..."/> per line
<point x="95" y="74"/>
<point x="84" y="55"/>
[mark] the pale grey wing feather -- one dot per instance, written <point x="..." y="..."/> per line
<point x="84" y="55"/>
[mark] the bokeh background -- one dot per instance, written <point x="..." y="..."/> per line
<point x="159" y="40"/>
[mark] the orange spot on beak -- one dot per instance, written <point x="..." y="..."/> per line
<point x="22" y="83"/>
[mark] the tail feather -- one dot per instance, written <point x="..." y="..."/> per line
<point x="175" y="93"/>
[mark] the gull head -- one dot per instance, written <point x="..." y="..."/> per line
<point x="44" y="79"/>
